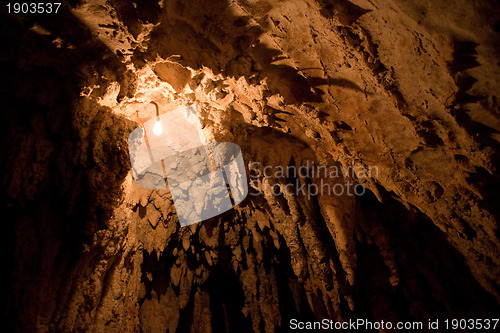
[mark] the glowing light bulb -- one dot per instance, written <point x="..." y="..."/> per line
<point x="157" y="129"/>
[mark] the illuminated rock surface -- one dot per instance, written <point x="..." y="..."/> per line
<point x="408" y="88"/>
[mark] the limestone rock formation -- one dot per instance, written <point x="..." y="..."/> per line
<point x="406" y="92"/>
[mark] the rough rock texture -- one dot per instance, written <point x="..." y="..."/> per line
<point x="408" y="88"/>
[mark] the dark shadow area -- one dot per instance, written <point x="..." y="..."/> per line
<point x="434" y="283"/>
<point x="223" y="285"/>
<point x="464" y="58"/>
<point x="56" y="191"/>
<point x="226" y="302"/>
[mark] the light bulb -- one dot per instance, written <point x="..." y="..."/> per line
<point x="157" y="129"/>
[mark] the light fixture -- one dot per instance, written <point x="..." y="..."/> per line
<point x="204" y="178"/>
<point x="157" y="129"/>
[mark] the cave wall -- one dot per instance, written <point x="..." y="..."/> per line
<point x="408" y="88"/>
